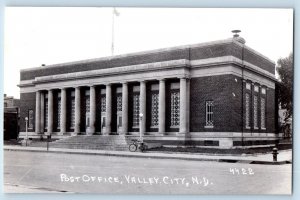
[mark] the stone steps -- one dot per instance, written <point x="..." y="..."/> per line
<point x="100" y="142"/>
<point x="93" y="142"/>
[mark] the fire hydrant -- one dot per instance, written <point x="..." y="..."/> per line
<point x="275" y="153"/>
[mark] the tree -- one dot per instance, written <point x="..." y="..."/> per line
<point x="285" y="87"/>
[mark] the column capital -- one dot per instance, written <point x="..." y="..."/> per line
<point x="161" y="79"/>
<point x="184" y="77"/>
<point x="143" y="81"/>
<point x="124" y="82"/>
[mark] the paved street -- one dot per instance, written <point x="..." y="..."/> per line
<point x="53" y="172"/>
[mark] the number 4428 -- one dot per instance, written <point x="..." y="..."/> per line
<point x="241" y="171"/>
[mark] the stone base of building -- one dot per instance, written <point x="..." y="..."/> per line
<point x="221" y="140"/>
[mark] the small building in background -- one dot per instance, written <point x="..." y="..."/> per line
<point x="11" y="117"/>
<point x="285" y="123"/>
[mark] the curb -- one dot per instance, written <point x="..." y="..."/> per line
<point x="149" y="155"/>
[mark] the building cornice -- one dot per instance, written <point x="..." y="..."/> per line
<point x="231" y="59"/>
<point x="184" y="64"/>
<point x="115" y="71"/>
<point x="149" y="52"/>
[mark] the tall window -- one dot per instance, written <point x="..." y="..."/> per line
<point x="87" y="108"/>
<point x="119" y="108"/>
<point x="209" y="113"/>
<point x="87" y="104"/>
<point x="103" y="104"/>
<point x="58" y="110"/>
<point x="263" y="113"/>
<point x="72" y="109"/>
<point x="46" y="112"/>
<point x="136" y="110"/>
<point x="175" y="109"/>
<point x="30" y="119"/>
<point x="103" y="110"/>
<point x="247" y="110"/>
<point x="119" y="102"/>
<point x="154" y="110"/>
<point x="255" y="112"/>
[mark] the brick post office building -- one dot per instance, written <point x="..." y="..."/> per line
<point x="219" y="93"/>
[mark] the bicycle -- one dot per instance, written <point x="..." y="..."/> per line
<point x="137" y="144"/>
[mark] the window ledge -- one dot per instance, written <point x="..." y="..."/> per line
<point x="208" y="126"/>
<point x="255" y="128"/>
<point x="263" y="128"/>
<point x="174" y="126"/>
<point x="247" y="127"/>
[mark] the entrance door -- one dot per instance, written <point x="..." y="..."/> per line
<point x="103" y="122"/>
<point x="87" y="123"/>
<point x="119" y="122"/>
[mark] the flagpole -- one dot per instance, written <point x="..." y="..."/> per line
<point x="113" y="31"/>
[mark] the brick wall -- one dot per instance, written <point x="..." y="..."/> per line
<point x="270" y="111"/>
<point x="225" y="92"/>
<point x="27" y="102"/>
<point x="228" y="106"/>
<point x="269" y="108"/>
<point x="259" y="61"/>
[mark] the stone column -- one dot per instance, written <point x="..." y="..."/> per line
<point x="50" y="112"/>
<point x="37" y="112"/>
<point x="108" y="109"/>
<point x="77" y="111"/>
<point x="162" y="107"/>
<point x="92" y="110"/>
<point x="183" y="106"/>
<point x="188" y="99"/>
<point x="125" y="108"/>
<point x="143" y="106"/>
<point x="42" y="113"/>
<point x="63" y="112"/>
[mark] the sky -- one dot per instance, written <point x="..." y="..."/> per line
<point x="50" y="35"/>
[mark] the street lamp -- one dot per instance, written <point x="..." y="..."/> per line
<point x="141" y="118"/>
<point x="26" y="123"/>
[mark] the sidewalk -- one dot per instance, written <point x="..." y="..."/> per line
<point x="284" y="156"/>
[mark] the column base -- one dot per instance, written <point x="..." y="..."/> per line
<point x="90" y="131"/>
<point x="60" y="133"/>
<point x="181" y="133"/>
<point x="160" y="134"/>
<point x="74" y="134"/>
